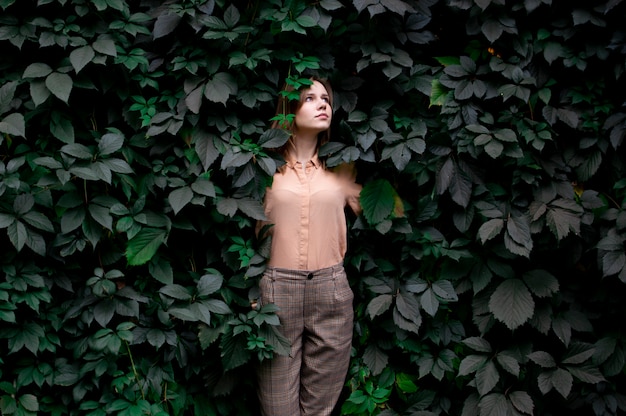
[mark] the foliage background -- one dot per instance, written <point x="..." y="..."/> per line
<point x="488" y="266"/>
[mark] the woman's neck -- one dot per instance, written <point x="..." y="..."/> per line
<point x="305" y="147"/>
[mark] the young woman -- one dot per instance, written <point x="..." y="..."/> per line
<point x="305" y="277"/>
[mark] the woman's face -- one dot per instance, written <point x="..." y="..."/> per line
<point x="314" y="114"/>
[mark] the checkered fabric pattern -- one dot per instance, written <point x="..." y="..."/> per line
<point x="316" y="315"/>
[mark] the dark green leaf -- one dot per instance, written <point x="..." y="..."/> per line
<point x="487" y="378"/>
<point x="378" y="305"/>
<point x="494" y="404"/>
<point x="13" y="124"/>
<point x="77" y="150"/>
<point x="512" y="303"/>
<point x="522" y="401"/>
<point x="206" y="150"/>
<point x="143" y="246"/>
<point x="220" y="87"/>
<point x="541" y="282"/>
<point x="179" y="198"/>
<point x="176" y="291"/>
<point x="209" y="283"/>
<point x="471" y="364"/>
<point x="165" y="24"/>
<point x="543" y="358"/>
<point x="104" y="311"/>
<point x="478" y="344"/>
<point x="377" y="200"/>
<point x="161" y="270"/>
<point x="274" y="138"/>
<point x="60" y="85"/>
<point x="101" y="215"/>
<point x="110" y="143"/>
<point x="508" y="363"/>
<point x="37" y="70"/>
<point x="81" y="56"/>
<point x="375" y="359"/>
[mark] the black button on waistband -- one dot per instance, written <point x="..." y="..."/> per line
<point x="309" y="276"/>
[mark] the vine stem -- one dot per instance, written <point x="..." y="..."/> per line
<point x="132" y="363"/>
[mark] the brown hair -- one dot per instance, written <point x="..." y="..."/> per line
<point x="286" y="106"/>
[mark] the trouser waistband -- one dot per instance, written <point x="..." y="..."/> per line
<point x="276" y="272"/>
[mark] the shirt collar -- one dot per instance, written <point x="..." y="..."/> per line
<point x="292" y="162"/>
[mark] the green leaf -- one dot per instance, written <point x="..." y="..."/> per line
<point x="104" y="311"/>
<point x="18" y="234"/>
<point x="39" y="92"/>
<point x="445" y="290"/>
<point x="563" y="216"/>
<point x="429" y="302"/>
<point x="179" y="198"/>
<point x="494" y="404"/>
<point x="553" y="51"/>
<point x="37" y="70"/>
<point x="143" y="246"/>
<point x="110" y="143"/>
<point x="161" y="270"/>
<point x="508" y="363"/>
<point x="80" y="57"/>
<point x="205" y="149"/>
<point x="72" y="219"/>
<point x="29" y="402"/>
<point x="220" y="87"/>
<point x="408" y="306"/>
<point x="13" y="124"/>
<point x="165" y="24"/>
<point x="274" y="138"/>
<point x="487" y="378"/>
<point x="38" y="220"/>
<point x="184" y="313"/>
<point x="522" y="401"/>
<point x="252" y="208"/>
<point x="209" y="283"/>
<point x="278" y="341"/>
<point x="478" y="344"/>
<point x="101" y="215"/>
<point x="23" y="203"/>
<point x="375" y="359"/>
<point x="116" y="165"/>
<point x="378" y="305"/>
<point x="227" y="206"/>
<point x="492" y="29"/>
<point x="176" y="291"/>
<point x="77" y="150"/>
<point x="60" y="85"/>
<point x="471" y="364"/>
<point x="559" y="379"/>
<point x="105" y="46"/>
<point x="27" y="336"/>
<point x="217" y="306"/>
<point x="512" y="303"/>
<point x="62" y="128"/>
<point x="541" y="282"/>
<point x="234" y="351"/>
<point x="204" y="187"/>
<point x="378" y="201"/>
<point x="587" y="374"/>
<point x="542" y="358"/>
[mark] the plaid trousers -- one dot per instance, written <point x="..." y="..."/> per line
<point x="316" y="315"/>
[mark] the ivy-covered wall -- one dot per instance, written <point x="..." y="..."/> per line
<point x="489" y="266"/>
